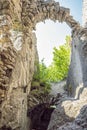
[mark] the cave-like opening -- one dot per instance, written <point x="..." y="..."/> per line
<point x="39" y="111"/>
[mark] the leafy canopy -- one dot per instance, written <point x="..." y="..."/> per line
<point x="58" y="70"/>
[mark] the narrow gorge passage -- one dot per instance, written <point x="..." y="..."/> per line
<point x="60" y="113"/>
<point x="40" y="114"/>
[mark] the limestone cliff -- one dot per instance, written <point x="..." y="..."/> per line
<point x="17" y="57"/>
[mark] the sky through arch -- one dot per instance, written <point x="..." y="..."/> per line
<point x="50" y="34"/>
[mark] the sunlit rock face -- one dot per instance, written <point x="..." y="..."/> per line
<point x="18" y="53"/>
<point x="84" y="16"/>
<point x="70" y="114"/>
<point x="80" y="122"/>
<point x="77" y="78"/>
<point x="17" y="57"/>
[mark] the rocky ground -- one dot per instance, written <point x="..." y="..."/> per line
<point x="60" y="112"/>
<point x="80" y="123"/>
<point x="70" y="114"/>
<point x="58" y="88"/>
<point x="41" y="105"/>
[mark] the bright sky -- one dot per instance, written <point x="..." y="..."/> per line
<point x="50" y="34"/>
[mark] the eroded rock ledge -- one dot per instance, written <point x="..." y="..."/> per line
<point x="80" y="122"/>
<point x="71" y="114"/>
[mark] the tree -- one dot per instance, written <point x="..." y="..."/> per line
<point x="58" y="70"/>
<point x="61" y="60"/>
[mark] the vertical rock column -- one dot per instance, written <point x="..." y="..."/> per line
<point x="7" y="52"/>
<point x="84" y="11"/>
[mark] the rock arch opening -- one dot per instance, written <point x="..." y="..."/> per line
<point x="40" y="122"/>
<point x="43" y="10"/>
<point x="51" y="10"/>
<point x="49" y="35"/>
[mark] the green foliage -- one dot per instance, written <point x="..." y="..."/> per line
<point x="41" y="77"/>
<point x="35" y="84"/>
<point x="58" y="70"/>
<point x="61" y="60"/>
<point x="43" y="72"/>
<point x="36" y="76"/>
<point x="44" y="76"/>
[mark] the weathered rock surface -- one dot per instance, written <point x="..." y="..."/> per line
<point x="58" y="88"/>
<point x="84" y="16"/>
<point x="17" y="57"/>
<point x="18" y="52"/>
<point x="58" y="118"/>
<point x="67" y="111"/>
<point x="80" y="122"/>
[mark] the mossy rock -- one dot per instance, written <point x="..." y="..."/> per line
<point x="35" y="92"/>
<point x="35" y="85"/>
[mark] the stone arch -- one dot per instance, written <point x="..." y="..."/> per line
<point x="42" y="10"/>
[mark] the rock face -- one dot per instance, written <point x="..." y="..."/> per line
<point x="84" y="17"/>
<point x="58" y="88"/>
<point x="77" y="78"/>
<point x="80" y="122"/>
<point x="71" y="114"/>
<point x="18" y="55"/>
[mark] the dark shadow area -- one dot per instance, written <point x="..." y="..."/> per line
<point x="80" y="92"/>
<point x="5" y="128"/>
<point x="40" y="115"/>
